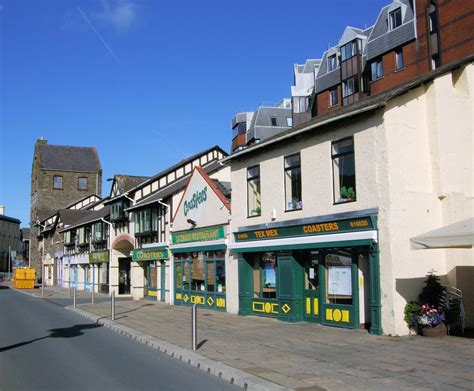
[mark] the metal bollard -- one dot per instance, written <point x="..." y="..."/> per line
<point x="112" y="303"/>
<point x="42" y="281"/>
<point x="92" y="294"/>
<point x="194" y="326"/>
<point x="74" y="297"/>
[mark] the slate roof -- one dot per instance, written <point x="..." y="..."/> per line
<point x="9" y="219"/>
<point x="224" y="187"/>
<point x="68" y="158"/>
<point x="261" y="127"/>
<point x="365" y="105"/>
<point x="90" y="217"/>
<point x="127" y="182"/>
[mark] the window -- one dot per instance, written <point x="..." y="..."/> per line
<point x="333" y="97"/>
<point x="399" y="63"/>
<point x="254" y="205"/>
<point x="332" y="62"/>
<point x="117" y="211"/>
<point x="349" y="87"/>
<point x="311" y="268"/>
<point x="351" y="49"/>
<point x="82" y="183"/>
<point x="343" y="170"/>
<point x="264" y="275"/>
<point x="273" y="121"/>
<point x="240" y="128"/>
<point x="293" y="182"/>
<point x="98" y="232"/>
<point x="395" y="18"/>
<point x="376" y="69"/>
<point x="146" y="221"/>
<point x="57" y="182"/>
<point x="289" y="121"/>
<point x="338" y="278"/>
<point x="300" y="104"/>
<point x="433" y="22"/>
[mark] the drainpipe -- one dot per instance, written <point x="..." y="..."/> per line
<point x="110" y="251"/>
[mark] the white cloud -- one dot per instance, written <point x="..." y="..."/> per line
<point x="120" y="14"/>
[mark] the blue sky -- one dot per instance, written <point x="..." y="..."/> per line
<point x="147" y="83"/>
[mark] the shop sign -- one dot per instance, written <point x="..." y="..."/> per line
<point x="99" y="257"/>
<point x="149" y="254"/>
<point x="361" y="224"/>
<point x="199" y="235"/>
<point x="198" y="198"/>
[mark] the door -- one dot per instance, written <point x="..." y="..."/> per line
<point x="124" y="276"/>
<point x="151" y="280"/>
<point x="162" y="281"/>
<point x="310" y="260"/>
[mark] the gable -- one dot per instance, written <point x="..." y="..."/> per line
<point x="202" y="203"/>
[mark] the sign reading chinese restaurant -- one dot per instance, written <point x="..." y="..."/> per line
<point x="149" y="254"/>
<point x="99" y="257"/>
<point x="330" y="227"/>
<point x="199" y="235"/>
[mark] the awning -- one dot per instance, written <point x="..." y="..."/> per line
<point x="457" y="235"/>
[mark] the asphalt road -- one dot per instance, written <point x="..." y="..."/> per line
<point x="43" y="346"/>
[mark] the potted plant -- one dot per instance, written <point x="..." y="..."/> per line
<point x="412" y="312"/>
<point x="347" y="193"/>
<point x="431" y="318"/>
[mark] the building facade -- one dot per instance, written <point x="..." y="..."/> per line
<point x="60" y="175"/>
<point x="330" y="206"/>
<point x="10" y="240"/>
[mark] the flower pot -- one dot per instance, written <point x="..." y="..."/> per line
<point x="437" y="331"/>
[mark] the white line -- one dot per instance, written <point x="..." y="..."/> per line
<point x="98" y="35"/>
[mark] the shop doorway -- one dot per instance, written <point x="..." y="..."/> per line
<point x="162" y="280"/>
<point x="124" y="276"/>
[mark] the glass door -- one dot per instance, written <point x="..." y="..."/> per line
<point x="310" y="260"/>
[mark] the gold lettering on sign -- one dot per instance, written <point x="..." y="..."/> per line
<point x="315" y="228"/>
<point x="268" y="233"/>
<point x="359" y="223"/>
<point x="242" y="236"/>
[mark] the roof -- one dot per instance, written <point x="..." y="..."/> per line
<point x="460" y="234"/>
<point x="90" y="217"/>
<point x="71" y="216"/>
<point x="173" y="188"/>
<point x="261" y="126"/>
<point x="224" y="187"/>
<point x="368" y="104"/>
<point x="127" y="182"/>
<point x="25" y="233"/>
<point x="68" y="158"/>
<point x="9" y="219"/>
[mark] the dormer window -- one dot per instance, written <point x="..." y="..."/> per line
<point x="332" y="62"/>
<point x="351" y="49"/>
<point x="395" y="18"/>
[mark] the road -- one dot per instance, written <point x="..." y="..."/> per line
<point x="44" y="346"/>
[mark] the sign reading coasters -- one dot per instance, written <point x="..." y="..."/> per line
<point x="199" y="235"/>
<point x="361" y="224"/>
<point x="149" y="254"/>
<point x="99" y="257"/>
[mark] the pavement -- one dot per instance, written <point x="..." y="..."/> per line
<point x="298" y="356"/>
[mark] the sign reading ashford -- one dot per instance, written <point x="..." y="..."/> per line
<point x="99" y="257"/>
<point x="199" y="235"/>
<point x="197" y="199"/>
<point x="149" y="254"/>
<point x="361" y="224"/>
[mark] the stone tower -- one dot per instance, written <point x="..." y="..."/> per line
<point x="60" y="175"/>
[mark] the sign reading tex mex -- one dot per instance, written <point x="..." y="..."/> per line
<point x="320" y="228"/>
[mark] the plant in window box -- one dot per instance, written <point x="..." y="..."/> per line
<point x="257" y="211"/>
<point x="347" y="193"/>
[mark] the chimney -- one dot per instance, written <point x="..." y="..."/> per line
<point x="42" y="141"/>
<point x="2" y="210"/>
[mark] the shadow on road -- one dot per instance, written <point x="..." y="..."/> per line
<point x="65" y="332"/>
<point x="4" y="287"/>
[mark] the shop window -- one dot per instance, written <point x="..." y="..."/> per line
<point x="395" y="18"/>
<point x="376" y="69"/>
<point x="152" y="275"/>
<point x="82" y="183"/>
<point x="264" y="275"/>
<point x="343" y="170"/>
<point x="103" y="275"/>
<point x="399" y="63"/>
<point x="210" y="286"/>
<point x="333" y="97"/>
<point x="220" y="276"/>
<point x="57" y="182"/>
<point x="178" y="270"/>
<point x="253" y="192"/>
<point x="187" y="274"/>
<point x="197" y="281"/>
<point x="293" y="199"/>
<point x="338" y="278"/>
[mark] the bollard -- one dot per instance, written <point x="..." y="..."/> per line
<point x="194" y="326"/>
<point x="112" y="303"/>
<point x="74" y="297"/>
<point x="42" y="281"/>
<point x="92" y="294"/>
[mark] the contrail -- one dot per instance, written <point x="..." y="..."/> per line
<point x="98" y="35"/>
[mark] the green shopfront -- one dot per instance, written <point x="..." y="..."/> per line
<point x="99" y="275"/>
<point x="199" y="258"/>
<point x="322" y="269"/>
<point x="154" y="262"/>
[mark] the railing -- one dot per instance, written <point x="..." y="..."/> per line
<point x="453" y="302"/>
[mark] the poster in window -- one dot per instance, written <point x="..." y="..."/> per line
<point x="339" y="280"/>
